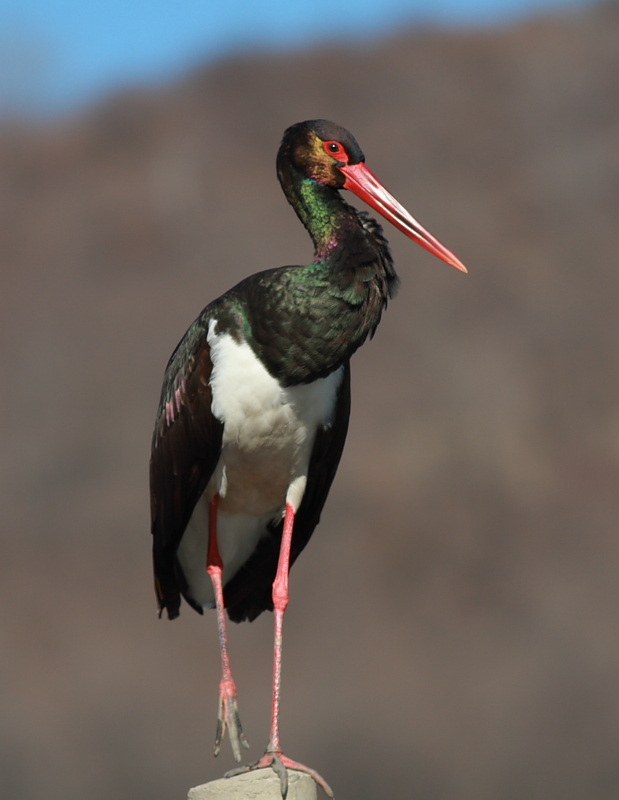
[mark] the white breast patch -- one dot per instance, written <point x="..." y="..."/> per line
<point x="267" y="441"/>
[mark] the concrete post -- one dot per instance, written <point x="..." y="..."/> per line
<point x="261" y="784"/>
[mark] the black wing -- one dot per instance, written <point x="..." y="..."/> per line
<point x="185" y="450"/>
<point x="248" y="593"/>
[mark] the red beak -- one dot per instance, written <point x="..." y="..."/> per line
<point x="361" y="182"/>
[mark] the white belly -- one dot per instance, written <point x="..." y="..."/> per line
<point x="267" y="442"/>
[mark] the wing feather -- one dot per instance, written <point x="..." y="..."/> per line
<point x="185" y="449"/>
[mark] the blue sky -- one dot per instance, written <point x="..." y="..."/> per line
<point x="56" y="55"/>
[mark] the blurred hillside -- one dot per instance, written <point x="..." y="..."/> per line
<point x="454" y="624"/>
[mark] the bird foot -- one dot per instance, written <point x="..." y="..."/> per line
<point x="228" y="719"/>
<point x="280" y="764"/>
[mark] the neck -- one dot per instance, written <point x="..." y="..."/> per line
<point x="328" y="219"/>
<point x="335" y="303"/>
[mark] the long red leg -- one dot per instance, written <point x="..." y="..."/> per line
<point x="274" y="757"/>
<point x="228" y="714"/>
<point x="280" y="601"/>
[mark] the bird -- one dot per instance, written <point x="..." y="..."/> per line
<point x="255" y="404"/>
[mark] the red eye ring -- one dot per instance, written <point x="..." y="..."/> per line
<point x="336" y="150"/>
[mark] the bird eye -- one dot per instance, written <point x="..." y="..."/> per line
<point x="336" y="150"/>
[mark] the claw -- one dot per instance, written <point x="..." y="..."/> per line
<point x="280" y="764"/>
<point x="282" y="773"/>
<point x="228" y="719"/>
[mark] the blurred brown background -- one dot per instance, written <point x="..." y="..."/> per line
<point x="454" y="625"/>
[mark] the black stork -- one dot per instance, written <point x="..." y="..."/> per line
<point x="255" y="404"/>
